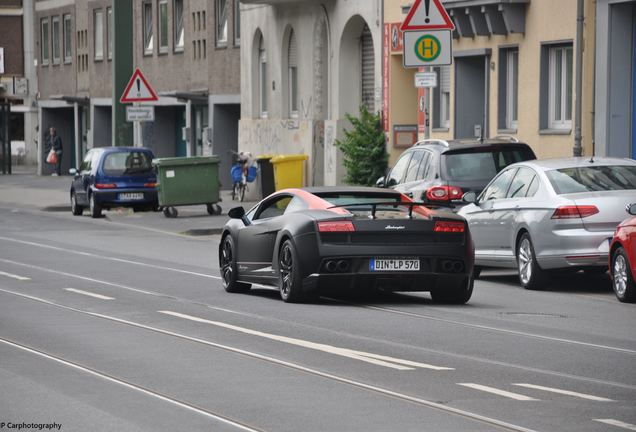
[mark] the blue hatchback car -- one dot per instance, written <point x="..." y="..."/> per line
<point x="114" y="177"/>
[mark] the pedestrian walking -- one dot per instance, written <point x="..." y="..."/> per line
<point x="54" y="142"/>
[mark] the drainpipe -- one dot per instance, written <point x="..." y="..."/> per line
<point x="580" y="20"/>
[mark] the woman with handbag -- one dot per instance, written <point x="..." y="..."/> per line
<point x="53" y="148"/>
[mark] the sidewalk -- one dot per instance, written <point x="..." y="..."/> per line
<point x="51" y="194"/>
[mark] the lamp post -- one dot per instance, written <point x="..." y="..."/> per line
<point x="122" y="69"/>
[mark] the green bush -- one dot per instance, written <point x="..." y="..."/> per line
<point x="364" y="149"/>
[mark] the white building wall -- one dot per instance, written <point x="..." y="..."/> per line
<point x="318" y="124"/>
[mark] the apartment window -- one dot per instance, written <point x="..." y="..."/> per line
<point x="441" y="98"/>
<point x="148" y="33"/>
<point x="55" y="26"/>
<point x="262" y="77"/>
<point x="560" y="110"/>
<point x="109" y="32"/>
<point x="292" y="75"/>
<point x="508" y="88"/>
<point x="221" y="22"/>
<point x="179" y="32"/>
<point x="44" y="41"/>
<point x="68" y="39"/>
<point x="237" y="22"/>
<point x="163" y="26"/>
<point x="98" y="37"/>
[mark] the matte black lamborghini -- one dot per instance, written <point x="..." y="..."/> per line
<point x="306" y="240"/>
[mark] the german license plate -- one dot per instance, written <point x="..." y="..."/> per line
<point x="130" y="196"/>
<point x="394" y="264"/>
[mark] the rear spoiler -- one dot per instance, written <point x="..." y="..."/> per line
<point x="374" y="206"/>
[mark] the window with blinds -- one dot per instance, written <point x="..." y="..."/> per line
<point x="368" y="69"/>
<point x="292" y="59"/>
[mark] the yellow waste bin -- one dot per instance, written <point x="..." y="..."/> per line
<point x="288" y="170"/>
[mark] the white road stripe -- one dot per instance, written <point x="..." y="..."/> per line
<point x="358" y="384"/>
<point x="565" y="392"/>
<point x="498" y="392"/>
<point x="131" y="386"/>
<point x="13" y="276"/>
<point x="379" y="360"/>
<point x="90" y="294"/>
<point x="617" y="423"/>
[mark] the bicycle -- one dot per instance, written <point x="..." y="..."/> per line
<point x="243" y="172"/>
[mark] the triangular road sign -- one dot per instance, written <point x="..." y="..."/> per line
<point x="427" y="15"/>
<point x="138" y="90"/>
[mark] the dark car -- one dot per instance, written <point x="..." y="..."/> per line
<point x="623" y="259"/>
<point x="441" y="172"/>
<point x="306" y="240"/>
<point x="114" y="177"/>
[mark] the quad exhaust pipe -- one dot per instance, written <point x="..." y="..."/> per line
<point x="340" y="266"/>
<point x="449" y="266"/>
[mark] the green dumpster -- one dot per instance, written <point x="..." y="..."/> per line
<point x="289" y="170"/>
<point x="188" y="181"/>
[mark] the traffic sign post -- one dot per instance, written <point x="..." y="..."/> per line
<point x="424" y="17"/>
<point x="138" y="90"/>
<point x="427" y="48"/>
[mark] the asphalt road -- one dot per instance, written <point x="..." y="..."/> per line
<point x="122" y="324"/>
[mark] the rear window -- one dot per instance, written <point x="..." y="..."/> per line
<point x="593" y="179"/>
<point x="343" y="200"/>
<point x="129" y="162"/>
<point x="481" y="166"/>
<point x="361" y="205"/>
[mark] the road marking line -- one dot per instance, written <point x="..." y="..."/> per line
<point x="376" y="359"/>
<point x="130" y="386"/>
<point x="383" y="391"/>
<point x="617" y="423"/>
<point x="90" y="294"/>
<point x="493" y="390"/>
<point x="13" y="276"/>
<point x="565" y="392"/>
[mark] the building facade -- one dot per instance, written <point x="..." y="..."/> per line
<point x="188" y="50"/>
<point x="513" y="73"/>
<point x="18" y="83"/>
<point x="305" y="64"/>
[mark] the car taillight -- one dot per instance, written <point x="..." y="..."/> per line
<point x="574" y="212"/>
<point x="444" y="193"/>
<point x="150" y="185"/>
<point x="336" y="226"/>
<point x="105" y="186"/>
<point x="449" y="227"/>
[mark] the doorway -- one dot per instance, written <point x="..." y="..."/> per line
<point x="470" y="97"/>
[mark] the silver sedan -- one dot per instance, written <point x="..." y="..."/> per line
<point x="550" y="214"/>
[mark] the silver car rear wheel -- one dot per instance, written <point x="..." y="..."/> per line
<point x="531" y="276"/>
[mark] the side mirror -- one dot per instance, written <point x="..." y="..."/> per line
<point x="380" y="182"/>
<point x="470" y="197"/>
<point x="72" y="171"/>
<point x="239" y="213"/>
<point x="631" y="209"/>
<point x="236" y="213"/>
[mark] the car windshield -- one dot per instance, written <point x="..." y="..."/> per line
<point x="481" y="166"/>
<point x="593" y="179"/>
<point x="127" y="162"/>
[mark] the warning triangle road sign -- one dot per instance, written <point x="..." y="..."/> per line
<point x="427" y="15"/>
<point x="138" y="90"/>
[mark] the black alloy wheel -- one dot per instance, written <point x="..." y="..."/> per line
<point x="290" y="282"/>
<point x="457" y="295"/>
<point x="76" y="209"/>
<point x="229" y="271"/>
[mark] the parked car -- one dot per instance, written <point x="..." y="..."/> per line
<point x="114" y="177"/>
<point x="304" y="240"/>
<point x="440" y="172"/>
<point x="623" y="259"/>
<point x="551" y="214"/>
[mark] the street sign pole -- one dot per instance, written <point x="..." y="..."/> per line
<point x="122" y="69"/>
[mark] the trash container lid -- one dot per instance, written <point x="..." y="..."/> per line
<point x="191" y="160"/>
<point x="264" y="157"/>
<point x="289" y="158"/>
